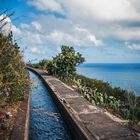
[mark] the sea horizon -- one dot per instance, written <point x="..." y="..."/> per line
<point x="124" y="75"/>
<point x="86" y="63"/>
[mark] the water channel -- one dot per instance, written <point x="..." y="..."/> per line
<point x="46" y="122"/>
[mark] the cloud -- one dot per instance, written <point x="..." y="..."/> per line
<point x="133" y="46"/>
<point x="93" y="39"/>
<point x="87" y="24"/>
<point x="36" y="25"/>
<point x="58" y="32"/>
<point x="33" y="26"/>
<point x="102" y="10"/>
<point x="36" y="50"/>
<point x="27" y="36"/>
<point x="110" y="10"/>
<point x="24" y="26"/>
<point x="9" y="26"/>
<point x="105" y="19"/>
<point x="45" y="5"/>
<point x="32" y="38"/>
<point x="31" y="33"/>
<point x="77" y="37"/>
<point x="122" y="33"/>
<point x="128" y="34"/>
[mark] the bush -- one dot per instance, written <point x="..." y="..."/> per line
<point x="64" y="64"/>
<point x="13" y="74"/>
<point x="101" y="93"/>
<point x="41" y="65"/>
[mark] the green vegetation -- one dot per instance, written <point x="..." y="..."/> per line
<point x="63" y="65"/>
<point x="41" y="65"/>
<point x="100" y="93"/>
<point x="13" y="73"/>
<point x="116" y="100"/>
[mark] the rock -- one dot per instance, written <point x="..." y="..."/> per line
<point x="8" y="115"/>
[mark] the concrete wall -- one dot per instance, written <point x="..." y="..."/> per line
<point x="21" y="126"/>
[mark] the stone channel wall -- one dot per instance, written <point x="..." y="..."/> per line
<point x="86" y="122"/>
<point x="21" y="126"/>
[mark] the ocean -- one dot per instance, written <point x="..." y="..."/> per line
<point x="126" y="76"/>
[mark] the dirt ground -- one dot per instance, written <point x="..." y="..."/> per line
<point x="7" y="122"/>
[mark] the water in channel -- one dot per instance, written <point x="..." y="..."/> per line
<point x="46" y="122"/>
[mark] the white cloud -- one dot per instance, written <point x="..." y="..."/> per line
<point x="33" y="38"/>
<point x="33" y="26"/>
<point x="128" y="34"/>
<point x="121" y="33"/>
<point x="9" y="26"/>
<point x="16" y="30"/>
<point x="36" y="25"/>
<point x="24" y="26"/>
<point x="4" y="18"/>
<point x="111" y="10"/>
<point x="133" y="46"/>
<point x="103" y="18"/>
<point x="93" y="39"/>
<point x="57" y="37"/>
<point x="29" y="33"/>
<point x="88" y="23"/>
<point x="58" y="32"/>
<point x="107" y="10"/>
<point x="45" y="5"/>
<point x="36" y="50"/>
<point x="78" y="37"/>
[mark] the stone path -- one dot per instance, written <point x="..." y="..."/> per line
<point x="94" y="123"/>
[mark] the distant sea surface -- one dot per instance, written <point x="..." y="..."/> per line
<point x="126" y="76"/>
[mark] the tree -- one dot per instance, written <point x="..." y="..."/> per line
<point x="43" y="64"/>
<point x="64" y="64"/>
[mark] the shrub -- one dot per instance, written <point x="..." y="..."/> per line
<point x="41" y="65"/>
<point x="64" y="64"/>
<point x="13" y="73"/>
<point x="101" y="93"/>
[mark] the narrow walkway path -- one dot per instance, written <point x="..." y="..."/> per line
<point x="94" y="123"/>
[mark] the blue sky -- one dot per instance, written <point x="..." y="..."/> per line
<point x="103" y="31"/>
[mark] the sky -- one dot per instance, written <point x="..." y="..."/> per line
<point x="104" y="31"/>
